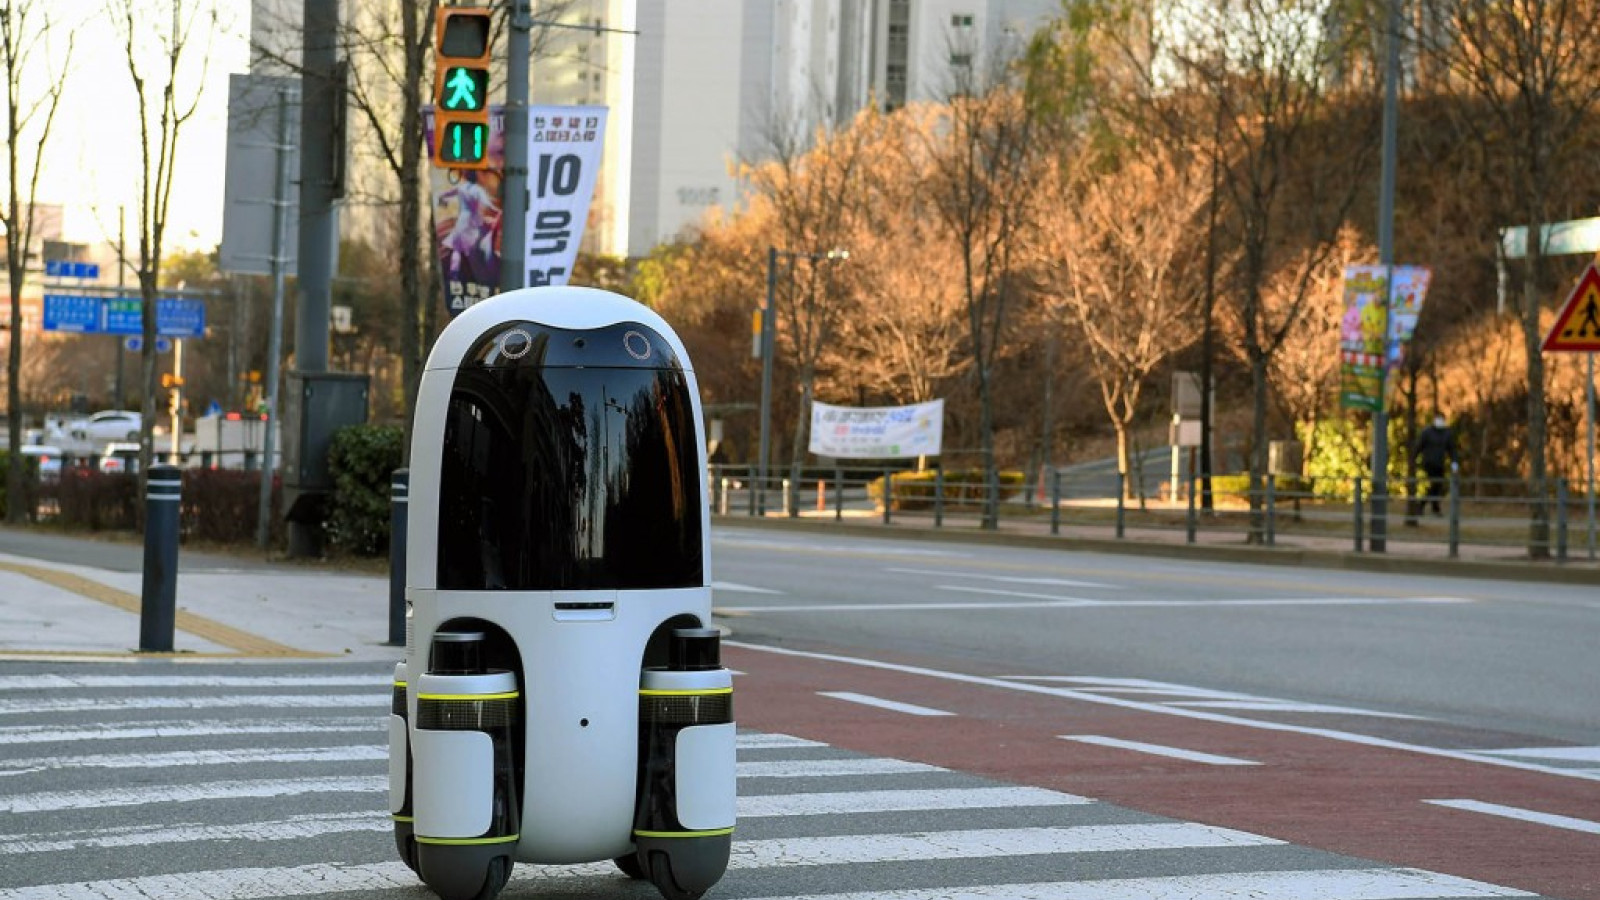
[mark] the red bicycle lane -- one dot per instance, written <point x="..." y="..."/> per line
<point x="1330" y="790"/>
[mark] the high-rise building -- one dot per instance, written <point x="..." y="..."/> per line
<point x="697" y="88"/>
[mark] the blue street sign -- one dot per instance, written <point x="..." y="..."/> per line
<point x="174" y="318"/>
<point x="71" y="312"/>
<point x="135" y="344"/>
<point x="63" y="268"/>
<point x="96" y="315"/>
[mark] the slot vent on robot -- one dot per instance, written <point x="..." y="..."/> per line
<point x="686" y="709"/>
<point x="458" y="714"/>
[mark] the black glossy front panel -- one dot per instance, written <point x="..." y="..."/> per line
<point x="570" y="463"/>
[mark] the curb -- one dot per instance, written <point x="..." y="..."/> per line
<point x="1523" y="571"/>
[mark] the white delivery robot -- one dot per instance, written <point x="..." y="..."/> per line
<point x="562" y="698"/>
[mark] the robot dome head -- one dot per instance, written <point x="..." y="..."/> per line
<point x="571" y="454"/>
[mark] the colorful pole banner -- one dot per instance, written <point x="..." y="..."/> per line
<point x="877" y="432"/>
<point x="1372" y="335"/>
<point x="564" y="144"/>
<point x="466" y="216"/>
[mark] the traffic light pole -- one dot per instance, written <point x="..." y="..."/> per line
<point x="514" y="211"/>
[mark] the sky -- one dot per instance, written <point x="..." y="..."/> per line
<point x="92" y="156"/>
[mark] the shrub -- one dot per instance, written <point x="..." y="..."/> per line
<point x="30" y="483"/>
<point x="963" y="488"/>
<point x="96" y="501"/>
<point x="362" y="458"/>
<point x="223" y="506"/>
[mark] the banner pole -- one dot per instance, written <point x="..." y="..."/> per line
<point x="1588" y="390"/>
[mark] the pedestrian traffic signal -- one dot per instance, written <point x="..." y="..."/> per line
<point x="461" y="88"/>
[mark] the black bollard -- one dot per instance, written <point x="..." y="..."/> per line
<point x="399" y="493"/>
<point x="159" y="598"/>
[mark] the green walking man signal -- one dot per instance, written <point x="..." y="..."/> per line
<point x="461" y="87"/>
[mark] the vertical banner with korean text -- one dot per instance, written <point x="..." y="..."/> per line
<point x="466" y="217"/>
<point x="564" y="144"/>
<point x="877" y="432"/>
<point x="1372" y="334"/>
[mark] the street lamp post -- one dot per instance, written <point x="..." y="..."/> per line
<point x="768" y="335"/>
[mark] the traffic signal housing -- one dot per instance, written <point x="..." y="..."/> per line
<point x="461" y="87"/>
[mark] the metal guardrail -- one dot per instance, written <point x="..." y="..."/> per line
<point x="1486" y="516"/>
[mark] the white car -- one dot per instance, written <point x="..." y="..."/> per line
<point x="104" y="427"/>
<point x="119" y="457"/>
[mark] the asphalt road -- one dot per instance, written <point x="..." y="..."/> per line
<point x="917" y="720"/>
<point x="1496" y="656"/>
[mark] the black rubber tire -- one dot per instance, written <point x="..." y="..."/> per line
<point x="631" y="867"/>
<point x="495" y="879"/>
<point x="661" y="877"/>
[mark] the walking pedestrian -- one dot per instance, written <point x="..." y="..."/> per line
<point x="1436" y="446"/>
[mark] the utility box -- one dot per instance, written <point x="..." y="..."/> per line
<point x="1283" y="457"/>
<point x="316" y="405"/>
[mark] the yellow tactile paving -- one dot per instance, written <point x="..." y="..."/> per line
<point x="243" y="642"/>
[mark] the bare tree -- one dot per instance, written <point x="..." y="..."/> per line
<point x="978" y="175"/>
<point x="904" y="334"/>
<point x="1286" y="192"/>
<point x="1535" y="65"/>
<point x="156" y="50"/>
<point x="28" y="121"/>
<point x="1119" y="247"/>
<point x="814" y="186"/>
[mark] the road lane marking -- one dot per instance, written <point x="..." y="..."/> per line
<point x="1570" y="754"/>
<point x="1009" y="579"/>
<point x="1524" y="815"/>
<point x="153" y="682"/>
<point x="1326" y="884"/>
<point x="291" y="829"/>
<point x="1203" y="602"/>
<point x="846" y="802"/>
<point x="1196" y="714"/>
<point x="187" y="758"/>
<point x="1209" y="759"/>
<point x="48" y="734"/>
<point x="830" y="768"/>
<point x="986" y="844"/>
<point x="298" y="881"/>
<point x="268" y="701"/>
<point x="326" y="878"/>
<point x="1030" y="600"/>
<point x="735" y="587"/>
<point x="56" y="801"/>
<point x="772" y="741"/>
<point x="1204" y="698"/>
<point x="893" y="705"/>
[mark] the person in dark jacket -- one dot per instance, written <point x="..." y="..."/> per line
<point x="1436" y="447"/>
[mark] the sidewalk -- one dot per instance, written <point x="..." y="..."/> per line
<point x="265" y="611"/>
<point x="52" y="610"/>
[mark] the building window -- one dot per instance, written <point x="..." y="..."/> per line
<point x="960" y="21"/>
<point x="961" y="60"/>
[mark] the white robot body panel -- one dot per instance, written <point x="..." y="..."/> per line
<point x="399" y="765"/>
<point x="562" y="699"/>
<point x="454" y="786"/>
<point x="707" y="799"/>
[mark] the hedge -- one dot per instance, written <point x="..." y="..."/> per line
<point x="963" y="488"/>
<point x="30" y="481"/>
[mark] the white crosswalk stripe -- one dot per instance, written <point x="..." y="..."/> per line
<point x="280" y="792"/>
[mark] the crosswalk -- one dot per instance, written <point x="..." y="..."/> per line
<point x="245" y="782"/>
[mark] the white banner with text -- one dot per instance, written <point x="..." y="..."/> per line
<point x="877" y="432"/>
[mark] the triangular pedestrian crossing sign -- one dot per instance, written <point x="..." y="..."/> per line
<point x="1577" y="328"/>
